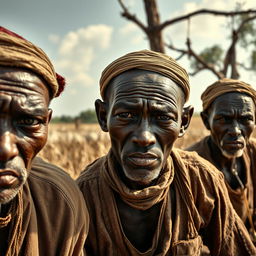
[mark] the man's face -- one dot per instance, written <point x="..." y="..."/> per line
<point x="231" y="120"/>
<point x="144" y="116"/>
<point x="24" y="117"/>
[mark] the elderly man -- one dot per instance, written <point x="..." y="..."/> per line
<point x="42" y="211"/>
<point x="229" y="114"/>
<point x="146" y="197"/>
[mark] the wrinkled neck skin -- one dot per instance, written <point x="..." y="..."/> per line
<point x="225" y="165"/>
<point x="219" y="160"/>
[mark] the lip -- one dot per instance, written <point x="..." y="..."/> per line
<point x="8" y="178"/>
<point x="142" y="159"/>
<point x="235" y="144"/>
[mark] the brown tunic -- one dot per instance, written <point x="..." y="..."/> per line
<point x="203" y="211"/>
<point x="55" y="219"/>
<point x="236" y="195"/>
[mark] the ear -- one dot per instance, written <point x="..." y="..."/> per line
<point x="205" y="119"/>
<point x="49" y="115"/>
<point x="101" y="111"/>
<point x="186" y="118"/>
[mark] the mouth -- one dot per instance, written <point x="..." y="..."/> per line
<point x="235" y="144"/>
<point x="8" y="178"/>
<point x="143" y="159"/>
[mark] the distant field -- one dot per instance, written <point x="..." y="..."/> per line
<point x="72" y="149"/>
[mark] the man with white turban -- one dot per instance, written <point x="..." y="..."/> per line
<point x="146" y="197"/>
<point x="42" y="211"/>
<point x="229" y="114"/>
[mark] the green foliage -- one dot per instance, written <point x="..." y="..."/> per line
<point x="62" y="119"/>
<point x="87" y="116"/>
<point x="211" y="55"/>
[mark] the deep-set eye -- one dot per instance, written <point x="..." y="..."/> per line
<point x="246" y="119"/>
<point x="28" y="121"/>
<point x="125" y="115"/>
<point x="164" y="117"/>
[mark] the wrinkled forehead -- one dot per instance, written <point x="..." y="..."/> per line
<point x="137" y="83"/>
<point x="233" y="101"/>
<point x="22" y="81"/>
<point x="230" y="97"/>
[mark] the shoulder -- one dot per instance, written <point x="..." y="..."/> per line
<point x="198" y="167"/>
<point x="49" y="182"/>
<point x="91" y="172"/>
<point x="198" y="145"/>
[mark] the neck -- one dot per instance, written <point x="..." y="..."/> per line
<point x="231" y="167"/>
<point x="219" y="159"/>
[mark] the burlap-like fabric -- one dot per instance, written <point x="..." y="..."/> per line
<point x="146" y="60"/>
<point x="53" y="219"/>
<point x="196" y="204"/>
<point x="226" y="85"/>
<point x="237" y="196"/>
<point x="18" y="52"/>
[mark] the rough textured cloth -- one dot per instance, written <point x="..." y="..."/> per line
<point x="15" y="51"/>
<point x="226" y="85"/>
<point x="146" y="60"/>
<point x="236" y="196"/>
<point x="55" y="220"/>
<point x="202" y="206"/>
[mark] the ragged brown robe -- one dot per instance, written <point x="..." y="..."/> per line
<point x="237" y="195"/>
<point x="55" y="219"/>
<point x="202" y="211"/>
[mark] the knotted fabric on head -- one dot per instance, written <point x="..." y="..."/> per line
<point x="16" y="51"/>
<point x="146" y="60"/>
<point x="226" y="85"/>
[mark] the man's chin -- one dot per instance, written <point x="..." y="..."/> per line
<point x="235" y="154"/>
<point x="6" y="195"/>
<point x="142" y="177"/>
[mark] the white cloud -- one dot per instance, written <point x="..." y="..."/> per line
<point x="128" y="29"/>
<point x="206" y="29"/>
<point x="77" y="50"/>
<point x="54" y="38"/>
<point x="132" y="33"/>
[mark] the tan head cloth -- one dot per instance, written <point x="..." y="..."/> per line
<point x="18" y="52"/>
<point x="146" y="60"/>
<point x="226" y="85"/>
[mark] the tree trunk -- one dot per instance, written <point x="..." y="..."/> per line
<point x="154" y="33"/>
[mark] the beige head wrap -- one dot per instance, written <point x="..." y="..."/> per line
<point x="15" y="51"/>
<point x="226" y="85"/>
<point x="146" y="60"/>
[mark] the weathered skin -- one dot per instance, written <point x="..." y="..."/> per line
<point x="24" y="117"/>
<point x="143" y="125"/>
<point x="231" y="120"/>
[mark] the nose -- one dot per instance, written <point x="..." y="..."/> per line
<point x="8" y="147"/>
<point x="234" y="129"/>
<point x="143" y="136"/>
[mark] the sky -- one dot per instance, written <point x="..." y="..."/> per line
<point x="81" y="37"/>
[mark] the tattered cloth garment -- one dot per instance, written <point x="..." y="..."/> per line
<point x="50" y="216"/>
<point x="237" y="196"/>
<point x="201" y="206"/>
<point x="13" y="222"/>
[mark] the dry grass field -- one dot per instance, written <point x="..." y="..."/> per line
<point x="72" y="149"/>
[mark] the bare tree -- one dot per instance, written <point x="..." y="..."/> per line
<point x="210" y="58"/>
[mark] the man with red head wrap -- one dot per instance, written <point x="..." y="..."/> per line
<point x="42" y="211"/>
